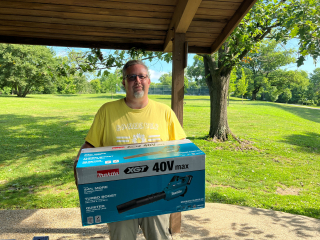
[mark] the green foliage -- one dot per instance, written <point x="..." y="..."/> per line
<point x="296" y="81"/>
<point x="280" y="20"/>
<point x="233" y="78"/>
<point x="5" y="91"/>
<point x="112" y="82"/>
<point x="314" y="89"/>
<point x="25" y="67"/>
<point x="242" y="84"/>
<point x="96" y="61"/>
<point x="95" y="84"/>
<point x="262" y="62"/>
<point x="166" y="80"/>
<point x="196" y="71"/>
<point x="273" y="93"/>
<point x="287" y="95"/>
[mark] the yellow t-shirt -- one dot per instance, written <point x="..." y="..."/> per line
<point x="117" y="124"/>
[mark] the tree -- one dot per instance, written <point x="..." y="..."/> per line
<point x="26" y="67"/>
<point x="280" y="20"/>
<point x="112" y="82"/>
<point x="102" y="63"/>
<point x="314" y="90"/>
<point x="95" y="84"/>
<point x="281" y="80"/>
<point x="262" y="62"/>
<point x="166" y="79"/>
<point x="273" y="93"/>
<point x="242" y="84"/>
<point x="196" y="71"/>
<point x="232" y="85"/>
<point x="287" y="95"/>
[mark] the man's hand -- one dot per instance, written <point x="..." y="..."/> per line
<point x="85" y="145"/>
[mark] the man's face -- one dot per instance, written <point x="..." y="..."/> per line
<point x="136" y="88"/>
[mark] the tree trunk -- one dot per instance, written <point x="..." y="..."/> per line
<point x="26" y="91"/>
<point x="254" y="93"/>
<point x="218" y="84"/>
<point x="19" y="91"/>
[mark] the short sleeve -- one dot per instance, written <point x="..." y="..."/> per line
<point x="176" y="131"/>
<point x="95" y="134"/>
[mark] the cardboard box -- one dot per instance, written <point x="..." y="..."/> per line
<point x="140" y="180"/>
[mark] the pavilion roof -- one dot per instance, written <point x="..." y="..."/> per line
<point x="121" y="24"/>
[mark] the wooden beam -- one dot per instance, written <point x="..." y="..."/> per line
<point x="83" y="16"/>
<point x="199" y="50"/>
<point x="179" y="55"/>
<point x="71" y="5"/>
<point x="181" y="20"/>
<point x="81" y="22"/>
<point x="175" y="222"/>
<point x="108" y="30"/>
<point x="77" y="43"/>
<point x="75" y="33"/>
<point x="232" y="24"/>
<point x="178" y="59"/>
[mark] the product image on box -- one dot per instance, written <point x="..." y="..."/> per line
<point x="167" y="149"/>
<point x="177" y="187"/>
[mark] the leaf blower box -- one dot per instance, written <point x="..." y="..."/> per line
<point x="118" y="183"/>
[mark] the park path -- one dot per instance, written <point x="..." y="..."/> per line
<point x="216" y="221"/>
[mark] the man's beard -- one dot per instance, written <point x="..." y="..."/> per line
<point x="139" y="94"/>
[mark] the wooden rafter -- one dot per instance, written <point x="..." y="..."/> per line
<point x="181" y="20"/>
<point x="232" y="24"/>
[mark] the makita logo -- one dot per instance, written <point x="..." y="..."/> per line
<point x="177" y="192"/>
<point x="137" y="169"/>
<point x="117" y="147"/>
<point x="108" y="173"/>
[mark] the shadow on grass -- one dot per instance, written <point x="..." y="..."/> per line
<point x="6" y="96"/>
<point x="307" y="142"/>
<point x="66" y="95"/>
<point x="198" y="138"/>
<point x="303" y="112"/>
<point x="29" y="137"/>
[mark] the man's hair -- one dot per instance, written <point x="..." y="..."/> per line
<point x="131" y="63"/>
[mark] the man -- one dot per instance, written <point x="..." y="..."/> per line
<point x="135" y="119"/>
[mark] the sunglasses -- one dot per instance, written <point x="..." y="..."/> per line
<point x="133" y="77"/>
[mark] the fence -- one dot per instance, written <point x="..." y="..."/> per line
<point x="166" y="90"/>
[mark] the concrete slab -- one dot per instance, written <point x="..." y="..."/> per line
<point x="216" y="221"/>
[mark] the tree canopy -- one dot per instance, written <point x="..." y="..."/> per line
<point x="26" y="67"/>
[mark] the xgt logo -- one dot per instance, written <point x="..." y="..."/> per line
<point x="108" y="173"/>
<point x="137" y="169"/>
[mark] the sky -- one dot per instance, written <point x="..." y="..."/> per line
<point x="157" y="68"/>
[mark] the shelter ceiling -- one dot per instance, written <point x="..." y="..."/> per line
<point x="121" y="24"/>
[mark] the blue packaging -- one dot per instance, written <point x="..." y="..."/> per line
<point x="119" y="183"/>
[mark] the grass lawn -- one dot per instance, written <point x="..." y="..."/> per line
<point x="276" y="167"/>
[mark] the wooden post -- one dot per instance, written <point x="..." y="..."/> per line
<point x="178" y="64"/>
